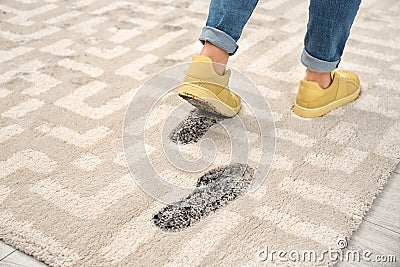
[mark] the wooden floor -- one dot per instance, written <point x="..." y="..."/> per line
<point x="378" y="233"/>
<point x="380" y="229"/>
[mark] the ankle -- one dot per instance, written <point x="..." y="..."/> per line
<point x="218" y="56"/>
<point x="323" y="79"/>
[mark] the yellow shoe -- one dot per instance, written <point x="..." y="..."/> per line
<point x="312" y="101"/>
<point x="206" y="90"/>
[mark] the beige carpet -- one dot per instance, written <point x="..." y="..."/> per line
<point x="68" y="72"/>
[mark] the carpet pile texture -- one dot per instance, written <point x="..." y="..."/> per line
<point x="68" y="72"/>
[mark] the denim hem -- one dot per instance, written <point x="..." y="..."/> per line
<point x="316" y="64"/>
<point x="218" y="38"/>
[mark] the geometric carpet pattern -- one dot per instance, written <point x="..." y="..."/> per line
<point x="68" y="70"/>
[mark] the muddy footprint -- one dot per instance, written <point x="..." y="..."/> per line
<point x="214" y="190"/>
<point x="191" y="129"/>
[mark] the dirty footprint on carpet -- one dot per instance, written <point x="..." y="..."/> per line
<point x="214" y="190"/>
<point x="191" y="129"/>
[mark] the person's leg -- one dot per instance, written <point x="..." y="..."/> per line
<point x="219" y="56"/>
<point x="206" y="84"/>
<point x="224" y="26"/>
<point x="328" y="29"/>
<point x="324" y="88"/>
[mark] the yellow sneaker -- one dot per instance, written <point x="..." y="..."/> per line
<point x="312" y="101"/>
<point x="206" y="90"/>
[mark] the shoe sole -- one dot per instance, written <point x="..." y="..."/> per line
<point x="204" y="99"/>
<point x="318" y="112"/>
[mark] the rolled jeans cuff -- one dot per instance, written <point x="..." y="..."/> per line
<point x="218" y="38"/>
<point x="316" y="64"/>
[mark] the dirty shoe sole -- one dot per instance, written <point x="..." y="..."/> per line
<point x="318" y="112"/>
<point x="204" y="99"/>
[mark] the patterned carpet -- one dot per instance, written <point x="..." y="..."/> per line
<point x="68" y="72"/>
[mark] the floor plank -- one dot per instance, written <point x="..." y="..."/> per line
<point x="385" y="210"/>
<point x="5" y="250"/>
<point x="18" y="258"/>
<point x="376" y="239"/>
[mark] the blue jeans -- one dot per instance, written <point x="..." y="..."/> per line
<point x="328" y="29"/>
